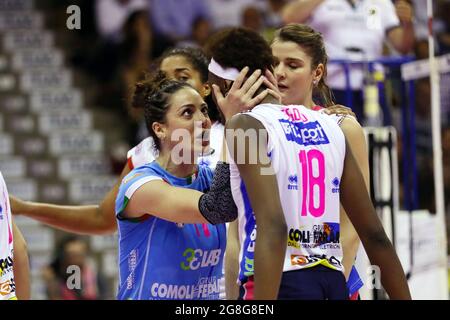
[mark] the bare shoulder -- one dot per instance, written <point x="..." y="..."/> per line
<point x="350" y="123"/>
<point x="353" y="132"/>
<point x="351" y="127"/>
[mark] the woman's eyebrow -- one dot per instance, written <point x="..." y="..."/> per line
<point x="181" y="69"/>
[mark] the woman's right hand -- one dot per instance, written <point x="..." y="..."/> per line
<point x="240" y="97"/>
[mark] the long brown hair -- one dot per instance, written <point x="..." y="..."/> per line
<point x="312" y="42"/>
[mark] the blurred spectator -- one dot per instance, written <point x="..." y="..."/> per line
<point x="423" y="117"/>
<point x="228" y="13"/>
<point x="173" y="19"/>
<point x="112" y="15"/>
<point x="444" y="33"/>
<point x="59" y="278"/>
<point x="446" y="169"/>
<point x="272" y="18"/>
<point x="355" y="30"/>
<point x="273" y="13"/>
<point x="103" y="56"/>
<point x="252" y="19"/>
<point x="424" y="145"/>
<point x="201" y="30"/>
<point x="136" y="58"/>
<point x="446" y="162"/>
<point x="421" y="27"/>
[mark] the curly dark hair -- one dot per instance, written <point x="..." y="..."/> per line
<point x="153" y="94"/>
<point x="240" y="47"/>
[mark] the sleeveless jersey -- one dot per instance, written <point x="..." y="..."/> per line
<point x="307" y="151"/>
<point x="7" y="284"/>
<point x="159" y="259"/>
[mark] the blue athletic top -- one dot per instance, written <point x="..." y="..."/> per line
<point x="159" y="259"/>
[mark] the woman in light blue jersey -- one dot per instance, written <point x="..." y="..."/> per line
<point x="168" y="245"/>
<point x="160" y="259"/>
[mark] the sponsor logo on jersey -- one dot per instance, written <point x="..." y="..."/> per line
<point x="198" y="258"/>
<point x="248" y="266"/>
<point x="7" y="287"/>
<point x="335" y="183"/>
<point x="302" y="260"/>
<point x="328" y="232"/>
<point x="305" y="134"/>
<point x="132" y="262"/>
<point x="293" y="182"/>
<point x="206" y="288"/>
<point x="6" y="265"/>
<point x="325" y="236"/>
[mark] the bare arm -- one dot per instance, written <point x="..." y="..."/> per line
<point x="299" y="11"/>
<point x="364" y="217"/>
<point x="402" y="37"/>
<point x="91" y="219"/>
<point x="262" y="190"/>
<point x="349" y="238"/>
<point x="232" y="262"/>
<point x="159" y="199"/>
<point x="21" y="265"/>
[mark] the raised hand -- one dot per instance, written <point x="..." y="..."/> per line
<point x="241" y="97"/>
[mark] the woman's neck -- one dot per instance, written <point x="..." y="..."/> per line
<point x="182" y="170"/>
<point x="309" y="103"/>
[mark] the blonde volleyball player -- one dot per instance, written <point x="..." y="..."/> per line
<point x="314" y="170"/>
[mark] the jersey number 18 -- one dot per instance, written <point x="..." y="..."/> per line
<point x="313" y="181"/>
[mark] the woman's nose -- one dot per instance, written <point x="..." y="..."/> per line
<point x="204" y="118"/>
<point x="279" y="72"/>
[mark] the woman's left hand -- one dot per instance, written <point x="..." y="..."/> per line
<point x="339" y="109"/>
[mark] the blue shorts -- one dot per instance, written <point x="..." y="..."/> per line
<point x="315" y="283"/>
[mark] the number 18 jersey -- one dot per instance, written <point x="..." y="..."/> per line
<point x="307" y="151"/>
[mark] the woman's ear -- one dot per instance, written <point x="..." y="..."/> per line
<point x="160" y="130"/>
<point x="206" y="90"/>
<point x="319" y="72"/>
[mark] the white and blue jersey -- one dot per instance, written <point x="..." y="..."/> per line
<point x="307" y="151"/>
<point x="7" y="283"/>
<point x="159" y="259"/>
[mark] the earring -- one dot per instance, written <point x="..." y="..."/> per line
<point x="315" y="82"/>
